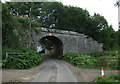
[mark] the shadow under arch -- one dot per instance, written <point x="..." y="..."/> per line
<point x="56" y="45"/>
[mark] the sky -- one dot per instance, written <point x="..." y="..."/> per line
<point x="105" y="8"/>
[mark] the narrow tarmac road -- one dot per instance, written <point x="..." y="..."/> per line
<point x="54" y="71"/>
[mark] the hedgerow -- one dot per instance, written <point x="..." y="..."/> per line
<point x="93" y="61"/>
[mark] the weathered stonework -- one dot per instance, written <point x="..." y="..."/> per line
<point x="72" y="41"/>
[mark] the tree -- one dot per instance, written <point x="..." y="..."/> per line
<point x="99" y="23"/>
<point x="73" y="18"/>
<point x="108" y="37"/>
<point x="9" y="37"/>
<point x="29" y="9"/>
<point x="118" y="34"/>
<point x="115" y="43"/>
<point x="50" y="13"/>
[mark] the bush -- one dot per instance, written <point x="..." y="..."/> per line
<point x="6" y="49"/>
<point x="30" y="59"/>
<point x="23" y="62"/>
<point x="94" y="61"/>
<point x="24" y="22"/>
<point x="104" y="53"/>
<point x="74" y="58"/>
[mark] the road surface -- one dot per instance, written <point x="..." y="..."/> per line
<point x="54" y="71"/>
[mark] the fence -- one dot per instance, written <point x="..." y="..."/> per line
<point x="102" y="61"/>
<point x="15" y="54"/>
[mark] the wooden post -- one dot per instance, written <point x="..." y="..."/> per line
<point x="6" y="54"/>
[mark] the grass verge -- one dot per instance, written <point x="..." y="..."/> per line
<point x="110" y="78"/>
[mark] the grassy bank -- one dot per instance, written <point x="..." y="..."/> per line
<point x="28" y="60"/>
<point x="110" y="78"/>
<point x="106" y="59"/>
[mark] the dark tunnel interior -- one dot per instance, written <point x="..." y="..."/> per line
<point x="53" y="45"/>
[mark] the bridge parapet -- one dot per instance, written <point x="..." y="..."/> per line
<point x="60" y="31"/>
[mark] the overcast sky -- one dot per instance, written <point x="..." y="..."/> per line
<point x="105" y="8"/>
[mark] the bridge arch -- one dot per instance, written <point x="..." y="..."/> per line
<point x="52" y="44"/>
<point x="65" y="41"/>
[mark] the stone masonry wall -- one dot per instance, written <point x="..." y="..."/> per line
<point x="72" y="41"/>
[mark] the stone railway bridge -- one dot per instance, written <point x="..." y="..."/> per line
<point x="64" y="41"/>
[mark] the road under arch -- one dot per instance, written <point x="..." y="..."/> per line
<point x="52" y="45"/>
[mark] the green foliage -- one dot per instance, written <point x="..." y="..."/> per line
<point x="10" y="38"/>
<point x="26" y="23"/>
<point x="23" y="22"/>
<point x="23" y="62"/>
<point x="79" y="60"/>
<point x="118" y="34"/>
<point x="7" y="49"/>
<point x="30" y="9"/>
<point x="94" y="60"/>
<point x="110" y="78"/>
<point x="104" y="53"/>
<point x="109" y="38"/>
<point x="29" y="60"/>
<point x="46" y="43"/>
<point x="106" y="59"/>
<point x="10" y="23"/>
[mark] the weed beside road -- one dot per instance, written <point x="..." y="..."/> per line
<point x="108" y="60"/>
<point x="109" y="78"/>
<point x="29" y="60"/>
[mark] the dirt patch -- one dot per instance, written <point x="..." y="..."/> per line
<point x="10" y="75"/>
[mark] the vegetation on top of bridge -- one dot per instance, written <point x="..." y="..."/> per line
<point x="55" y="15"/>
<point x="108" y="60"/>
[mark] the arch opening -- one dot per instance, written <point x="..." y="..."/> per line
<point x="52" y="45"/>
